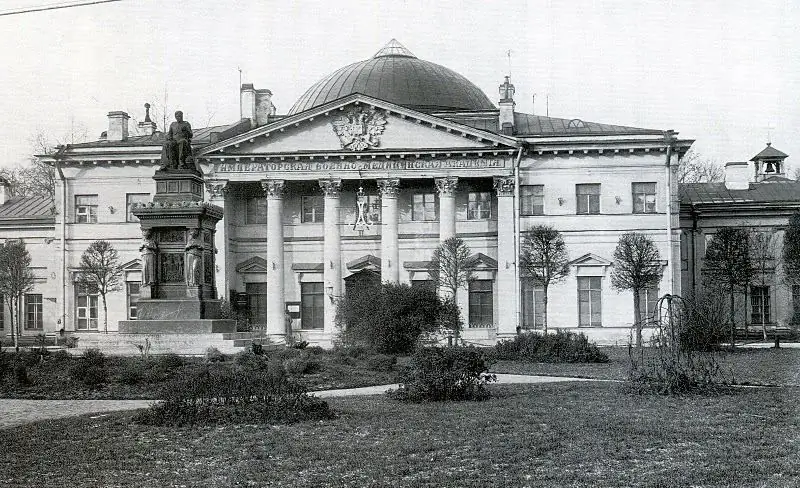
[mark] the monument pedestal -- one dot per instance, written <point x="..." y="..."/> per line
<point x="178" y="293"/>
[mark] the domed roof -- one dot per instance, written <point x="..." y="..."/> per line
<point x="394" y="74"/>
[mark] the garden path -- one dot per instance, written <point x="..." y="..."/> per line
<point x="15" y="412"/>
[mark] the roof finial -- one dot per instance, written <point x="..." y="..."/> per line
<point x="394" y="48"/>
<point x="147" y="112"/>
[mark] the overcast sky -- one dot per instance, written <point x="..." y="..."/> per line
<point x="725" y="73"/>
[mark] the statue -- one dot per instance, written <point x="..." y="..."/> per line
<point x="194" y="253"/>
<point x="177" y="150"/>
<point x="148" y="250"/>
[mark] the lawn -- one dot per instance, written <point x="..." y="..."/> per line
<point x="585" y="434"/>
<point x="747" y="366"/>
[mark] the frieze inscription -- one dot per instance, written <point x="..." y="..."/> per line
<point x="327" y="166"/>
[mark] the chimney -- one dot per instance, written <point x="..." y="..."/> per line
<point x="737" y="176"/>
<point x="264" y="107"/>
<point x="506" y="122"/>
<point x="256" y="105"/>
<point x="148" y="127"/>
<point x="117" y="126"/>
<point x="248" y="103"/>
<point x="5" y="191"/>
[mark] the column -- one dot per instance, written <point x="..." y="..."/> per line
<point x="332" y="252"/>
<point x="390" y="249"/>
<point x="217" y="191"/>
<point x="276" y="320"/>
<point x="506" y="257"/>
<point x="447" y="207"/>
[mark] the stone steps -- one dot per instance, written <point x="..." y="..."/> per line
<point x="184" y="344"/>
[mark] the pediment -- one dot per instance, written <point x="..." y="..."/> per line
<point x="357" y="124"/>
<point x="133" y="265"/>
<point x="480" y="261"/>
<point x="253" y="265"/>
<point x="368" y="261"/>
<point x="590" y="259"/>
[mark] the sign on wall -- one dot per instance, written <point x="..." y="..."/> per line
<point x="328" y="166"/>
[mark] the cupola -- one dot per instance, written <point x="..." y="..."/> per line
<point x="769" y="163"/>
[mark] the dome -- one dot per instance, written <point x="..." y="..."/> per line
<point x="394" y="74"/>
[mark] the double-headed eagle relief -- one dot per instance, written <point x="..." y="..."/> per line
<point x="358" y="129"/>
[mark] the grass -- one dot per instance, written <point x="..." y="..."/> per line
<point x="50" y="379"/>
<point x="748" y="366"/>
<point x="586" y="434"/>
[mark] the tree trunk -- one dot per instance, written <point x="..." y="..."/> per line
<point x="544" y="315"/>
<point x="15" y="322"/>
<point x="763" y="319"/>
<point x="733" y="318"/>
<point x="637" y="323"/>
<point x="105" y="315"/>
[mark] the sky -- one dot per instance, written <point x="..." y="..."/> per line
<point x="724" y="73"/>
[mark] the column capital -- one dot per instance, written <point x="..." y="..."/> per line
<point x="446" y="185"/>
<point x="273" y="188"/>
<point x="389" y="187"/>
<point x="504" y="186"/>
<point x="330" y="186"/>
<point x="216" y="189"/>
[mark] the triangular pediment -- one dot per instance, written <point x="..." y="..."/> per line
<point x="253" y="265"/>
<point x="133" y="265"/>
<point x="480" y="261"/>
<point x="590" y="259"/>
<point x="358" y="124"/>
<point x="368" y="261"/>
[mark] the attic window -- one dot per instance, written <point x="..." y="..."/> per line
<point x="575" y="124"/>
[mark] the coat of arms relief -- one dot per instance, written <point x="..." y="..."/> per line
<point x="358" y="129"/>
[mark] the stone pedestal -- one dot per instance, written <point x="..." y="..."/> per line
<point x="178" y="292"/>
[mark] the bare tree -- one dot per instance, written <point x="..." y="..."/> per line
<point x="762" y="258"/>
<point x="694" y="168"/>
<point x="637" y="267"/>
<point x="728" y="266"/>
<point x="16" y="279"/>
<point x="450" y="270"/>
<point x="543" y="255"/>
<point x="100" y="272"/>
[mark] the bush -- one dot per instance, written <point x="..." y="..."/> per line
<point x="388" y="319"/>
<point x="171" y="361"/>
<point x="71" y="341"/>
<point x="256" y="348"/>
<point x="21" y="373"/>
<point x="132" y="374"/>
<point x="301" y="365"/>
<point x="61" y="355"/>
<point x="561" y="347"/>
<point x="213" y="355"/>
<point x="90" y="369"/>
<point x="235" y="395"/>
<point x="381" y="362"/>
<point x="443" y="374"/>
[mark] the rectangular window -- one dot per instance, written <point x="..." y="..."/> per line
<point x="86" y="209"/>
<point x="479" y="206"/>
<point x="644" y="197"/>
<point x="648" y="303"/>
<point x="424" y="207"/>
<point x="532" y="304"/>
<point x="313" y="209"/>
<point x="760" y="310"/>
<point x="589" y="301"/>
<point x="133" y="299"/>
<point x="33" y="311"/>
<point x="257" y="303"/>
<point x="481" y="305"/>
<point x="423" y="284"/>
<point x="86" y="311"/>
<point x="588" y="199"/>
<point x="130" y="199"/>
<point x="311" y="305"/>
<point x="531" y="199"/>
<point x="256" y="212"/>
<point x="372" y="209"/>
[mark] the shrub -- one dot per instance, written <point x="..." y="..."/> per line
<point x="445" y="373"/>
<point x="171" y="361"/>
<point x="299" y="344"/>
<point x="388" y="319"/>
<point x="5" y="364"/>
<point x="235" y="395"/>
<point x="381" y="362"/>
<point x="561" y="347"/>
<point x="131" y="374"/>
<point x="90" y="369"/>
<point x="213" y="355"/>
<point x="61" y="355"/>
<point x="301" y="365"/>
<point x="21" y="373"/>
<point x="71" y="341"/>
<point x="256" y="348"/>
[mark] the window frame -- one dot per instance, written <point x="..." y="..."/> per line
<point x="92" y="303"/>
<point x="257" y="303"/>
<point x="763" y="301"/>
<point x="86" y="213"/>
<point x="475" y="208"/>
<point x="592" y="294"/>
<point x="648" y="302"/>
<point x="38" y="311"/>
<point x="591" y="197"/>
<point x="312" y="315"/>
<point x="415" y="217"/>
<point x="529" y="195"/>
<point x="532" y="304"/>
<point x="129" y="217"/>
<point x="312" y="213"/>
<point x="645" y="205"/>
<point x="132" y="303"/>
<point x="481" y="304"/>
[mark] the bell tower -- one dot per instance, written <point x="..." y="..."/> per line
<point x="769" y="163"/>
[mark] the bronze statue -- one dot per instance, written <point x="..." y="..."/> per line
<point x="194" y="250"/>
<point x="148" y="250"/>
<point x="177" y="150"/>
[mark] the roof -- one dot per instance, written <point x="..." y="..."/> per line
<point x="716" y="193"/>
<point x="200" y="136"/>
<point x="538" y="125"/>
<point x="394" y="74"/>
<point x="35" y="207"/>
<point x="770" y="152"/>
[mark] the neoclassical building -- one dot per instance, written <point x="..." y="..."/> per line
<point x="360" y="180"/>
